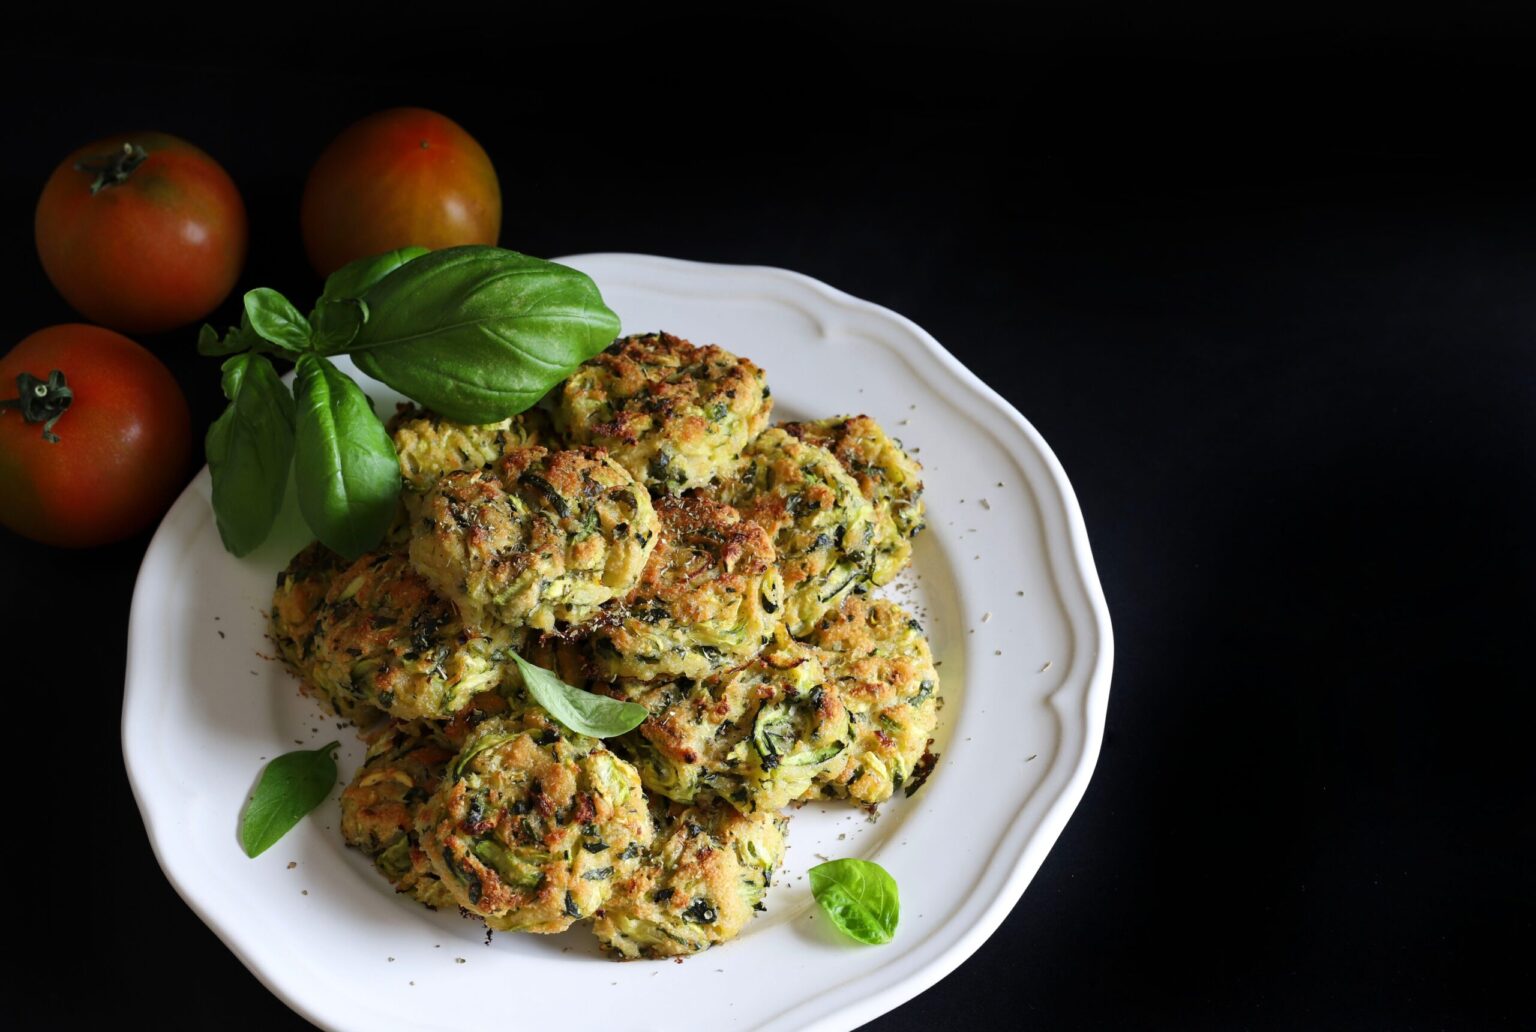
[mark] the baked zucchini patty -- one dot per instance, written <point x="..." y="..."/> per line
<point x="404" y="766"/>
<point x="532" y="826"/>
<point x="889" y="478"/>
<point x="876" y="655"/>
<point x="385" y="639"/>
<point x="756" y="737"/>
<point x="430" y="446"/>
<point x="539" y="538"/>
<point x="710" y="597"/>
<point x="296" y="605"/>
<point x="675" y="415"/>
<point x="700" y="883"/>
<point x="823" y="529"/>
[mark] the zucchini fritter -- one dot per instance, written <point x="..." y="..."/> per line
<point x="889" y="478"/>
<point x="430" y="446"/>
<point x="757" y="736"/>
<point x="532" y="826"/>
<point x="296" y="605"/>
<point x="675" y="415"/>
<point x="823" y="528"/>
<point x="378" y="809"/>
<point x="876" y="655"/>
<point x="539" y="538"/>
<point x="383" y="637"/>
<point x="710" y="597"/>
<point x="700" y="883"/>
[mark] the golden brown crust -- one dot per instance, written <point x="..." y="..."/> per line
<point x="297" y="601"/>
<point x="539" y="538"/>
<point x="384" y="638"/>
<point x="532" y="826"/>
<point x="677" y="416"/>
<point x="823" y="528"/>
<point x="756" y="736"/>
<point x="379" y="807"/>
<point x="889" y="478"/>
<point x="700" y="883"/>
<point x="430" y="446"/>
<point x="876" y="654"/>
<point x="709" y="599"/>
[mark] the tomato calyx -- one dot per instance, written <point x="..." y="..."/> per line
<point x="42" y="401"/>
<point x="113" y="169"/>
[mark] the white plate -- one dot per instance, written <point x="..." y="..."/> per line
<point x="1004" y="584"/>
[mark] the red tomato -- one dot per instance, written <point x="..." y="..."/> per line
<point x="141" y="232"/>
<point x="122" y="441"/>
<point x="401" y="178"/>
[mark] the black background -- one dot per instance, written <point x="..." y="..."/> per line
<point x="1266" y="283"/>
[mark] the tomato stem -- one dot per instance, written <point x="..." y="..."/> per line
<point x="41" y="401"/>
<point x="113" y="169"/>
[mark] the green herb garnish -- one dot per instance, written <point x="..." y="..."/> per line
<point x="250" y="448"/>
<point x="290" y="786"/>
<point x="344" y="463"/>
<point x="477" y="334"/>
<point x="860" y="897"/>
<point x="583" y="712"/>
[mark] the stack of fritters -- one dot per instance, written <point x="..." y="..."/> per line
<point x="645" y="535"/>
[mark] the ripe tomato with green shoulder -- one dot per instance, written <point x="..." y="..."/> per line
<point x="95" y="437"/>
<point x="406" y="177"/>
<point x="141" y="232"/>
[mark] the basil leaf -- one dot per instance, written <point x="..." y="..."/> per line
<point x="582" y="712"/>
<point x="250" y="448"/>
<point x="354" y="278"/>
<point x="290" y="786"/>
<point x="860" y="897"/>
<point x="336" y="321"/>
<point x="273" y="319"/>
<point x="347" y="474"/>
<point x="478" y="333"/>
<point x="239" y="338"/>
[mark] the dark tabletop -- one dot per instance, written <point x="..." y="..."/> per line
<point x="1268" y="288"/>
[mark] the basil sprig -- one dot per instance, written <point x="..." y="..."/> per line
<point x="476" y="334"/>
<point x="860" y="897"/>
<point x="290" y="786"/>
<point x="583" y="712"/>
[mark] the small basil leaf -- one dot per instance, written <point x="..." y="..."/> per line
<point x="335" y="321"/>
<point x="582" y="712"/>
<point x="354" y="278"/>
<point x="232" y="374"/>
<point x="275" y="320"/>
<point x="345" y="466"/>
<point x="209" y="342"/>
<point x="239" y="338"/>
<point x="290" y="786"/>
<point x="477" y="333"/>
<point x="249" y="448"/>
<point x="860" y="897"/>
